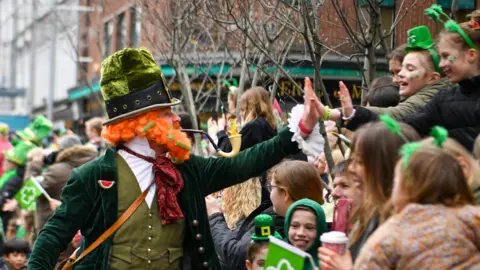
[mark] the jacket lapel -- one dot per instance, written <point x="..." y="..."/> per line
<point x="108" y="194"/>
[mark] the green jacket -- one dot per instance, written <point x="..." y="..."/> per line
<point x="321" y="226"/>
<point x="92" y="209"/>
<point x="415" y="102"/>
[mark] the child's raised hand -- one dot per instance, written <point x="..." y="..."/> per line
<point x="345" y="100"/>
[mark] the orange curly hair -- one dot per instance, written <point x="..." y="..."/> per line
<point x="155" y="128"/>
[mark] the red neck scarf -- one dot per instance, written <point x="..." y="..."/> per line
<point x="169" y="183"/>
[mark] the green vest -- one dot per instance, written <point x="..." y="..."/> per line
<point x="142" y="242"/>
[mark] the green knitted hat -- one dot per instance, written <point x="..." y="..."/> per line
<point x="132" y="83"/>
<point x="38" y="130"/>
<point x="18" y="154"/>
<point x="264" y="228"/>
<point x="420" y="39"/>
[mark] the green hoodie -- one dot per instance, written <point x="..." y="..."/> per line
<point x="321" y="226"/>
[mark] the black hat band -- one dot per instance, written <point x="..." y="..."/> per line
<point x="152" y="95"/>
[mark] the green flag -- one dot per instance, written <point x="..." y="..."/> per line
<point x="283" y="256"/>
<point x="29" y="193"/>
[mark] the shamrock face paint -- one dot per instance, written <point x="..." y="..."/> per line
<point x="453" y="60"/>
<point x="413" y="76"/>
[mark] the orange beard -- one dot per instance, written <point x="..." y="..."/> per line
<point x="160" y="132"/>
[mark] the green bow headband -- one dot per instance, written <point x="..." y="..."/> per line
<point x="439" y="134"/>
<point x="435" y="13"/>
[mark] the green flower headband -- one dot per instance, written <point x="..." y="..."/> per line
<point x="435" y="13"/>
<point x="439" y="134"/>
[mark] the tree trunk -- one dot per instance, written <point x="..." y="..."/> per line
<point x="369" y="68"/>
<point x="261" y="62"/>
<point x="188" y="99"/>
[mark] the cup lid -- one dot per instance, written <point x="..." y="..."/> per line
<point x="334" y="237"/>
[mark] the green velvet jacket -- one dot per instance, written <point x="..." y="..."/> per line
<point x="92" y="209"/>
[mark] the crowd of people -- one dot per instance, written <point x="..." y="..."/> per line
<point x="26" y="155"/>
<point x="403" y="186"/>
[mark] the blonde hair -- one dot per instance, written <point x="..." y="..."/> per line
<point x="255" y="102"/>
<point x="455" y="149"/>
<point x="240" y="200"/>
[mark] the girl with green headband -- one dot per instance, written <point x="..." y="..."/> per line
<point x="436" y="225"/>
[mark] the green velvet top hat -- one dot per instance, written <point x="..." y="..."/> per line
<point x="435" y="13"/>
<point x="132" y="83"/>
<point x="18" y="154"/>
<point x="264" y="228"/>
<point x="38" y="130"/>
<point x="420" y="39"/>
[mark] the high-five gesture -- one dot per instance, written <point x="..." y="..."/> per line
<point x="313" y="109"/>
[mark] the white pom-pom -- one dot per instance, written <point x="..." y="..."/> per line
<point x="313" y="146"/>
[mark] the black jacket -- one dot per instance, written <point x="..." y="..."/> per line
<point x="457" y="109"/>
<point x="253" y="132"/>
<point x="231" y="246"/>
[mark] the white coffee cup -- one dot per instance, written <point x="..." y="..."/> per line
<point x="336" y="241"/>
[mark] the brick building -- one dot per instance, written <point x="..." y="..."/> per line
<point x="122" y="24"/>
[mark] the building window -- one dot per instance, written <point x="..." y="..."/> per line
<point x="107" y="38"/>
<point x="121" y="31"/>
<point x="135" y="26"/>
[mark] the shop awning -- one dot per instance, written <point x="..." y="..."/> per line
<point x="168" y="71"/>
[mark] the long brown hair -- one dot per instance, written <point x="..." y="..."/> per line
<point x="457" y="150"/>
<point x="435" y="177"/>
<point x="255" y="102"/>
<point x="299" y="179"/>
<point x="378" y="148"/>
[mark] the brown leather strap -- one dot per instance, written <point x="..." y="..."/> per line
<point x="116" y="225"/>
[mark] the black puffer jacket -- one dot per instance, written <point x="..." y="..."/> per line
<point x="231" y="246"/>
<point x="457" y="109"/>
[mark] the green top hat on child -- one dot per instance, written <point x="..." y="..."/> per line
<point x="420" y="39"/>
<point x="264" y="228"/>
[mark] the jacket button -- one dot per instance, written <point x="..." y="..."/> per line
<point x="205" y="264"/>
<point x="149" y="238"/>
<point x="198" y="237"/>
<point x="149" y="227"/>
<point x="149" y="262"/>
<point x="195" y="223"/>
<point x="150" y="215"/>
<point x="201" y="250"/>
<point x="149" y="250"/>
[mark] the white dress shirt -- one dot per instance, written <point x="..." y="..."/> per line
<point x="142" y="169"/>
